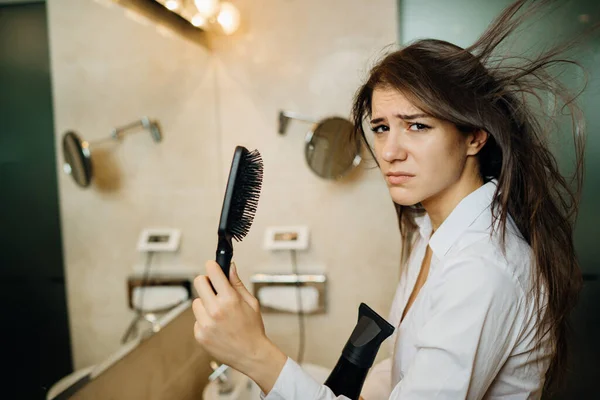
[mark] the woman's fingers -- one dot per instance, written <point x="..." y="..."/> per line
<point x="201" y="319"/>
<point x="198" y="309"/>
<point x="218" y="278"/>
<point x="205" y="292"/>
<point x="238" y="285"/>
<point x="228" y="324"/>
<point x="225" y="301"/>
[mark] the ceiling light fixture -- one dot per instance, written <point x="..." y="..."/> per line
<point x="209" y="15"/>
<point x="198" y="21"/>
<point x="172" y="5"/>
<point x="228" y="18"/>
<point x="207" y="8"/>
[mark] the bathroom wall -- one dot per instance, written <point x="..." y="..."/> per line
<point x="310" y="56"/>
<point x="108" y="70"/>
<point x="306" y="56"/>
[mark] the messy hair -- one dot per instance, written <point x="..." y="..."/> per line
<point x="506" y="96"/>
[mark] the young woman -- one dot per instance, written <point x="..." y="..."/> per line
<point x="486" y="218"/>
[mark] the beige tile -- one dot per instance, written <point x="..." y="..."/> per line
<point x="108" y="71"/>
<point x="305" y="57"/>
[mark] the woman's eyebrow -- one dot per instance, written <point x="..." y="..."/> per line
<point x="411" y="116"/>
<point x="377" y="120"/>
<point x="406" y="117"/>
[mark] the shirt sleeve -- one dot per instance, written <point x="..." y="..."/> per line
<point x="472" y="328"/>
<point x="294" y="383"/>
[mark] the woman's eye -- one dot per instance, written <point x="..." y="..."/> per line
<point x="418" y="127"/>
<point x="380" y="128"/>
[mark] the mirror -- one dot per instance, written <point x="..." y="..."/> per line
<point x="329" y="152"/>
<point x="77" y="161"/>
<point x="76" y="152"/>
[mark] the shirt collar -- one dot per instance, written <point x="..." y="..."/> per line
<point x="463" y="215"/>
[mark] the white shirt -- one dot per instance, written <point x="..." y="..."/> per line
<point x="470" y="333"/>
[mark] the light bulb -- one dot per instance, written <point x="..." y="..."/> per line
<point x="198" y="20"/>
<point x="207" y="8"/>
<point x="172" y="5"/>
<point x="228" y="18"/>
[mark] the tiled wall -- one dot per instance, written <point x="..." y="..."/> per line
<point x="310" y="56"/>
<point x="109" y="70"/>
<point x="306" y="56"/>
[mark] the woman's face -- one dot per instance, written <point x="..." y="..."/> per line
<point x="421" y="157"/>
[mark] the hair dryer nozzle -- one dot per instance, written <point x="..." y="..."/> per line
<point x="370" y="331"/>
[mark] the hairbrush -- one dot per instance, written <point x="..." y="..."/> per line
<point x="240" y="202"/>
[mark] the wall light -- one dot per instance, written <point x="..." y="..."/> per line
<point x="172" y="5"/>
<point x="198" y="20"/>
<point x="209" y="15"/>
<point x="207" y="8"/>
<point x="228" y="18"/>
<point x="189" y="18"/>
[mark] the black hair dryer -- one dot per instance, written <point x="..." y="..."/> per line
<point x="348" y="376"/>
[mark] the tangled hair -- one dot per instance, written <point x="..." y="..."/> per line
<point x="505" y="96"/>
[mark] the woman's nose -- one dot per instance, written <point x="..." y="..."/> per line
<point x="393" y="150"/>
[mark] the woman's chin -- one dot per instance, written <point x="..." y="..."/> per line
<point x="403" y="197"/>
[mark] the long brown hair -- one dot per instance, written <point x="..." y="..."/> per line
<point x="476" y="89"/>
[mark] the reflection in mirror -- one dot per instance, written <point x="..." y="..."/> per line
<point x="329" y="152"/>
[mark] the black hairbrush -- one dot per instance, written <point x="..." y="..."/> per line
<point x="240" y="202"/>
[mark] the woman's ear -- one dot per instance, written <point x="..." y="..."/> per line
<point x="475" y="141"/>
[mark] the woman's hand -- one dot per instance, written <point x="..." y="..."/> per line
<point x="229" y="326"/>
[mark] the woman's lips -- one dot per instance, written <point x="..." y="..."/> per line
<point x="398" y="179"/>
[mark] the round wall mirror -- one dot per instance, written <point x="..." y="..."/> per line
<point x="76" y="151"/>
<point x="77" y="162"/>
<point x="329" y="152"/>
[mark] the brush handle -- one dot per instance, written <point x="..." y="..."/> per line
<point x="224" y="254"/>
<point x="224" y="260"/>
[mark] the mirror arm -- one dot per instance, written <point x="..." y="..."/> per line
<point x="118" y="133"/>
<point x="143" y="122"/>
<point x="285" y="116"/>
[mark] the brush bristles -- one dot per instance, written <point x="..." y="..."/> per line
<point x="246" y="194"/>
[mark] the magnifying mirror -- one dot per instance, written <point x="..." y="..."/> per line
<point x="77" y="161"/>
<point x="77" y="155"/>
<point x="328" y="151"/>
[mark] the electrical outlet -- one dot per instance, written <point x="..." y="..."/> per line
<point x="159" y="240"/>
<point x="286" y="238"/>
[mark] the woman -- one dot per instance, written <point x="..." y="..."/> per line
<point x="486" y="218"/>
